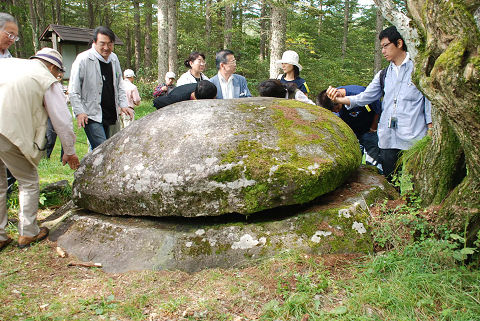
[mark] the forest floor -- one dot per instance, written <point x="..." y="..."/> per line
<point x="417" y="280"/>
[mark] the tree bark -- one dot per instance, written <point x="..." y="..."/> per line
<point x="320" y="17"/>
<point x="137" y="34"/>
<point x="58" y="12"/>
<point x="33" y="24"/>
<point x="227" y="27"/>
<point x="148" y="36"/>
<point x="91" y="14"/>
<point x="162" y="22"/>
<point x="346" y="18"/>
<point x="172" y="36"/>
<point x="377" y="64"/>
<point x="128" y="48"/>
<point x="208" y="22"/>
<point x="446" y="170"/>
<point x="263" y="30"/>
<point x="277" y="43"/>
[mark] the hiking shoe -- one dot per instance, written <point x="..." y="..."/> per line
<point x="24" y="241"/>
<point x="3" y="244"/>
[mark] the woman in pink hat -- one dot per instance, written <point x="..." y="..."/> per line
<point x="291" y="70"/>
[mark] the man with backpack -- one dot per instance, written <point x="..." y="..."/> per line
<point x="406" y="113"/>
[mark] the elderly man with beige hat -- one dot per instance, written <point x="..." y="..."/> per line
<point x="29" y="94"/>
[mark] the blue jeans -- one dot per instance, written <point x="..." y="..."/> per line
<point x="96" y="133"/>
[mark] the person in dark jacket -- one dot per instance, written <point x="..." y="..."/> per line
<point x="201" y="90"/>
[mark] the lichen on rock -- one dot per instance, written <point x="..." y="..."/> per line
<point x="212" y="157"/>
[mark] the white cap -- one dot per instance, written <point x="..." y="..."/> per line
<point x="290" y="57"/>
<point x="128" y="73"/>
<point x="169" y="75"/>
<point x="50" y="55"/>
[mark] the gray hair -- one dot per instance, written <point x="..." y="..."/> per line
<point x="221" y="57"/>
<point x="4" y="18"/>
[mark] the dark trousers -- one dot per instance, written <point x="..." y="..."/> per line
<point x="369" y="141"/>
<point x="10" y="181"/>
<point x="388" y="159"/>
<point x="51" y="139"/>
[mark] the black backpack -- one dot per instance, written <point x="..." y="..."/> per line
<point x="383" y="74"/>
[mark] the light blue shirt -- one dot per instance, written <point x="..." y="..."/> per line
<point x="413" y="110"/>
<point x="6" y="54"/>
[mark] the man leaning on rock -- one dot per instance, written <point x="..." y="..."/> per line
<point x="29" y="94"/>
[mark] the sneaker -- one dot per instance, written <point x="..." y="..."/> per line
<point x="24" y="241"/>
<point x="3" y="244"/>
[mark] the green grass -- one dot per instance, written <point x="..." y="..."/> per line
<point x="51" y="170"/>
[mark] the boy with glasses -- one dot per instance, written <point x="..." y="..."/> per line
<point x="406" y="113"/>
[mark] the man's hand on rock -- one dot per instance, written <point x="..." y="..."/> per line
<point x="72" y="161"/>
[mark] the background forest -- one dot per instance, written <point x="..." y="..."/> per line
<point x="334" y="38"/>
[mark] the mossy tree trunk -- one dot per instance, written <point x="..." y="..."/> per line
<point x="446" y="167"/>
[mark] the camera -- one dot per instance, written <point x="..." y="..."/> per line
<point x="392" y="123"/>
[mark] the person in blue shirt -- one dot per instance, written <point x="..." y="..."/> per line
<point x="291" y="70"/>
<point x="406" y="112"/>
<point x="363" y="120"/>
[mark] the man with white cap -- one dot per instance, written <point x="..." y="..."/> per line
<point x="96" y="96"/>
<point x="229" y="85"/>
<point x="291" y="68"/>
<point x="165" y="88"/>
<point x="133" y="97"/>
<point x="29" y="94"/>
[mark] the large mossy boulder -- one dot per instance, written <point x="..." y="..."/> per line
<point x="211" y="157"/>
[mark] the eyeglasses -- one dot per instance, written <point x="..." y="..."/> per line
<point x="384" y="46"/>
<point x="199" y="61"/>
<point x="11" y="36"/>
<point x="233" y="62"/>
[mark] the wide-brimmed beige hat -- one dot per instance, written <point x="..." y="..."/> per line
<point x="50" y="55"/>
<point x="290" y="57"/>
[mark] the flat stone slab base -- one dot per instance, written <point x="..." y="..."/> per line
<point x="334" y="223"/>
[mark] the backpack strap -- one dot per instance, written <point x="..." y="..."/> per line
<point x="383" y="75"/>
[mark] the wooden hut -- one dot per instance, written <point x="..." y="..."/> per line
<point x="69" y="41"/>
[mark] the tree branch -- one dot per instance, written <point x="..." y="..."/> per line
<point x="402" y="22"/>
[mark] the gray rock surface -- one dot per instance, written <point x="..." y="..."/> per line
<point x="212" y="157"/>
<point x="333" y="223"/>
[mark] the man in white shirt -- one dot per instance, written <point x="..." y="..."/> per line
<point x="229" y="85"/>
<point x="133" y="97"/>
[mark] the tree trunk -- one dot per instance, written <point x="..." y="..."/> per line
<point x="128" y="48"/>
<point x="58" y="12"/>
<point x="33" y="24"/>
<point x="277" y="43"/>
<point x="148" y="35"/>
<point x="377" y="64"/>
<point x="263" y="30"/>
<point x="345" y="28"/>
<point x="227" y="27"/>
<point x="137" y="34"/>
<point x="91" y="14"/>
<point x="162" y="22"/>
<point x="320" y="17"/>
<point x="208" y="22"/>
<point x="172" y="36"/>
<point x="446" y="171"/>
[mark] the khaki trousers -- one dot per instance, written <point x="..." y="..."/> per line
<point x="27" y="178"/>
